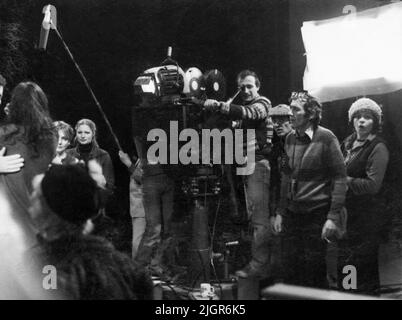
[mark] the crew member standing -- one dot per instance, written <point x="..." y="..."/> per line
<point x="253" y="114"/>
<point x="312" y="194"/>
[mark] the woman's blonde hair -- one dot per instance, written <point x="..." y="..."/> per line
<point x="91" y="125"/>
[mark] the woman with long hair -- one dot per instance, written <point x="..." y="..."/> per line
<point x="28" y="131"/>
<point x="88" y="151"/>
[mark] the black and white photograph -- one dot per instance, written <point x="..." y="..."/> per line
<point x="214" y="151"/>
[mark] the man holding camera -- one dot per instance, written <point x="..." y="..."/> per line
<point x="253" y="114"/>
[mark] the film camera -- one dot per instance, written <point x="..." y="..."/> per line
<point x="170" y="94"/>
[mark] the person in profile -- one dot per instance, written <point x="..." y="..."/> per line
<point x="63" y="202"/>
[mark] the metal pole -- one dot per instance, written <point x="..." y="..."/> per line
<point x="200" y="260"/>
<point x="89" y="88"/>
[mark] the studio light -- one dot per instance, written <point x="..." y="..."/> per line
<point x="356" y="54"/>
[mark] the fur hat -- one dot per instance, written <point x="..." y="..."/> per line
<point x="365" y="104"/>
<point x="280" y="110"/>
<point x="71" y="193"/>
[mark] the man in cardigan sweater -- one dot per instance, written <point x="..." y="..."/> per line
<point x="312" y="194"/>
<point x="253" y="114"/>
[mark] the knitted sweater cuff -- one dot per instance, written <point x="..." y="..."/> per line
<point x="236" y="112"/>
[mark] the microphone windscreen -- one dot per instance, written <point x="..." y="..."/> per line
<point x="45" y="27"/>
<point x="44" y="35"/>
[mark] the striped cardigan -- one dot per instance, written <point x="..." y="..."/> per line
<point x="318" y="172"/>
<point x="254" y="115"/>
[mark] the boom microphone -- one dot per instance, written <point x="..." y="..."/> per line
<point x="50" y="22"/>
<point x="44" y="31"/>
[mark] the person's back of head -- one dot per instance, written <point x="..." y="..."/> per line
<point x="88" y="267"/>
<point x="28" y="103"/>
<point x="71" y="193"/>
<point x="28" y="108"/>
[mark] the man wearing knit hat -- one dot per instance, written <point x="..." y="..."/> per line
<point x="63" y="202"/>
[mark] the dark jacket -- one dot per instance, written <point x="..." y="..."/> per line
<point x="104" y="160"/>
<point x="365" y="166"/>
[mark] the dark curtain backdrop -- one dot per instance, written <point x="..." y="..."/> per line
<point x="113" y="41"/>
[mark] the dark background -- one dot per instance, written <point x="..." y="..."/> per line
<point x="113" y="41"/>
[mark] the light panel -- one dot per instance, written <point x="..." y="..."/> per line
<point x="356" y="54"/>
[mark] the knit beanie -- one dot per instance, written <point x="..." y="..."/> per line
<point x="280" y="110"/>
<point x="365" y="104"/>
<point x="71" y="193"/>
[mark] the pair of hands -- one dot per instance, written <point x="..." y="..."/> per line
<point x="214" y="105"/>
<point x="328" y="230"/>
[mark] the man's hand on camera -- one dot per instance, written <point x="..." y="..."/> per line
<point x="225" y="107"/>
<point x="211" y="104"/>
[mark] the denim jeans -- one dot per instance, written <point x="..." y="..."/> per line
<point x="257" y="198"/>
<point x="158" y="193"/>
